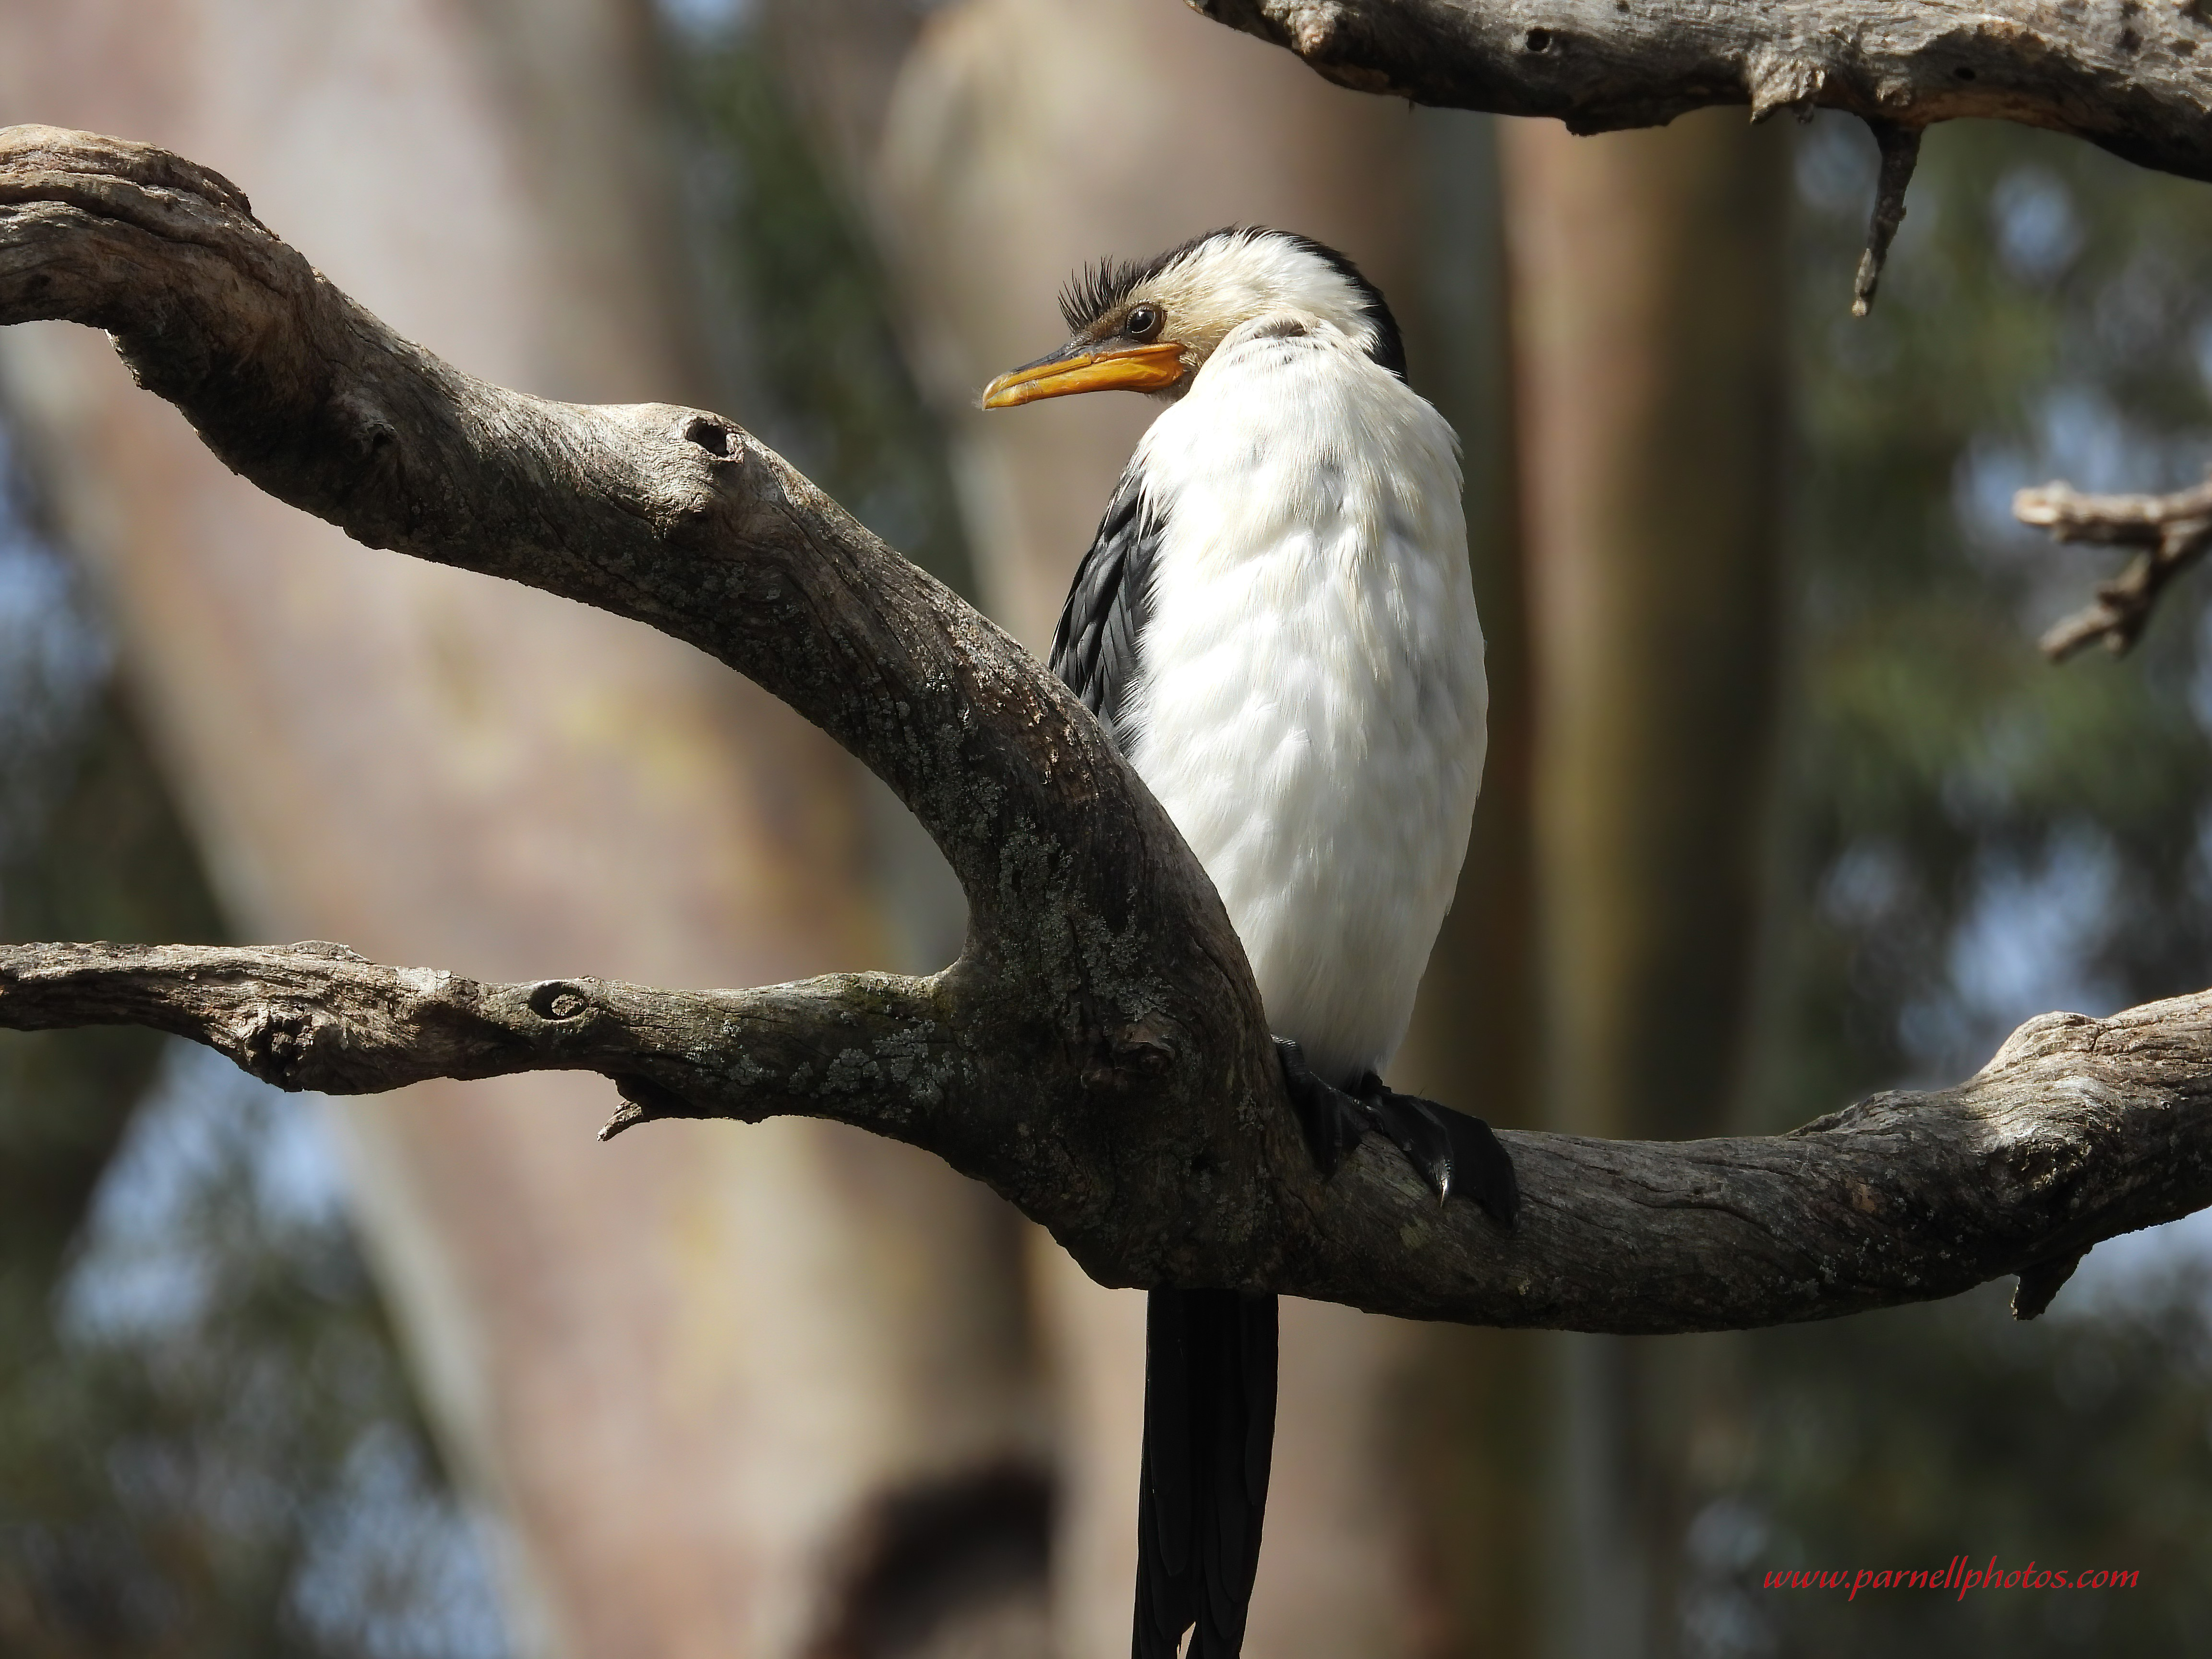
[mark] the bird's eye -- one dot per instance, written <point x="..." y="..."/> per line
<point x="1144" y="322"/>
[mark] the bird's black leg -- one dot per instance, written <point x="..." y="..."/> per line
<point x="1453" y="1152"/>
<point x="1332" y="1120"/>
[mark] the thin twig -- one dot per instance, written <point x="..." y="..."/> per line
<point x="2172" y="533"/>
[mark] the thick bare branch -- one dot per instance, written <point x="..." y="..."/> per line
<point x="2171" y="531"/>
<point x="2079" y="1129"/>
<point x="1098" y="1053"/>
<point x="2123" y="76"/>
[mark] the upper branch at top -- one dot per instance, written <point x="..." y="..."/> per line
<point x="2126" y="76"/>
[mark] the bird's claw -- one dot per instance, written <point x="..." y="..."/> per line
<point x="1451" y="1151"/>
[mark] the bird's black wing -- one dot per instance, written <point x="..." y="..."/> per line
<point x="1094" y="649"/>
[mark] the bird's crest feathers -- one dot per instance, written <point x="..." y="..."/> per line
<point x="1240" y="255"/>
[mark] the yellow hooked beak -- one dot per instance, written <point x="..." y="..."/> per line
<point x="1127" y="369"/>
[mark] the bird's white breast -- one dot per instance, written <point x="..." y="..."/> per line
<point x="1309" y="699"/>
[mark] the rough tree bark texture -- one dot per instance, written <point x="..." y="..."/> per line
<point x="1098" y="1054"/>
<point x="2116" y="73"/>
<point x="1648" y="310"/>
<point x="684" y="1371"/>
<point x="2123" y="76"/>
<point x="998" y="175"/>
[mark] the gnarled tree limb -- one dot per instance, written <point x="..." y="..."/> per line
<point x="2125" y="76"/>
<point x="2171" y="531"/>
<point x="1098" y="1053"/>
<point x="2079" y="1128"/>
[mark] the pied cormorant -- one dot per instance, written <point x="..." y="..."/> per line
<point x="1276" y="625"/>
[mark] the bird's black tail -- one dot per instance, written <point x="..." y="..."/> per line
<point x="1209" y="1436"/>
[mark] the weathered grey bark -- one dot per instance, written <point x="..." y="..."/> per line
<point x="2078" y="1129"/>
<point x="2122" y="76"/>
<point x="1097" y="1054"/>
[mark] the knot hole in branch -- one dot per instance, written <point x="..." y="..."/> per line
<point x="715" y="437"/>
<point x="555" y="1000"/>
<point x="1137" y="1054"/>
<point x="278" y="1041"/>
<point x="371" y="431"/>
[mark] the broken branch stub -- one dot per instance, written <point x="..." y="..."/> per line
<point x="1900" y="153"/>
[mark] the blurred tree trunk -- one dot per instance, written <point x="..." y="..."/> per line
<point x="1397" y="1521"/>
<point x="1648" y="307"/>
<point x="1474" y="1407"/>
<point x="999" y="174"/>
<point x="692" y="1370"/>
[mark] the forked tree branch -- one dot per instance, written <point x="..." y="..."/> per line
<point x="1098" y="1054"/>
<point x="2170" y="534"/>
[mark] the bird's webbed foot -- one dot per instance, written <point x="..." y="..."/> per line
<point x="1453" y="1152"/>
<point x="1332" y="1120"/>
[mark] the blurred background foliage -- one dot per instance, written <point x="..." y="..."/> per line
<point x="207" y="1442"/>
<point x="803" y="306"/>
<point x="1967" y="837"/>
